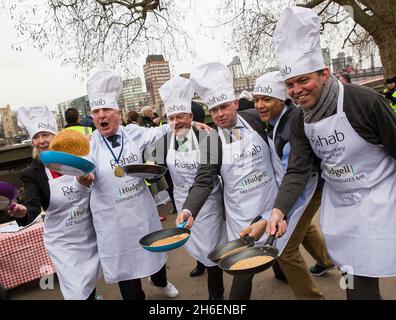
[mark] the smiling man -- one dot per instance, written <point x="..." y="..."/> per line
<point x="351" y="131"/>
<point x="238" y="151"/>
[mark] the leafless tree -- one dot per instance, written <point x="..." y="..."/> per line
<point x="363" y="25"/>
<point x="88" y="32"/>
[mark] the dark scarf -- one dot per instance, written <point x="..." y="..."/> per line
<point x="327" y="104"/>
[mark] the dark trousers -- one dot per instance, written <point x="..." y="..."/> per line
<point x="132" y="289"/>
<point x="241" y="288"/>
<point x="215" y="283"/>
<point x="92" y="295"/>
<point x="363" y="288"/>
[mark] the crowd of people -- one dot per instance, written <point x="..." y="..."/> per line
<point x="303" y="140"/>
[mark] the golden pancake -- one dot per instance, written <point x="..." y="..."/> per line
<point x="70" y="141"/>
<point x="169" y="240"/>
<point x="252" y="262"/>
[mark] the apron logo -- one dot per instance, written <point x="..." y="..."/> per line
<point x="127" y="190"/>
<point x="344" y="171"/>
<point x="254" y="180"/>
<point x="330" y="140"/>
<point x="213" y="100"/>
<point x="241" y="156"/>
<point x="186" y="165"/>
<point x="124" y="161"/>
<point x="67" y="190"/>
<point x="78" y="213"/>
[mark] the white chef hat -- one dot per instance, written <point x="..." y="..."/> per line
<point x="270" y="84"/>
<point x="37" y="119"/>
<point x="177" y="94"/>
<point x="246" y="95"/>
<point x="103" y="88"/>
<point x="296" y="42"/>
<point x="214" y="84"/>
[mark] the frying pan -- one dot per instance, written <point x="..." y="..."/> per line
<point x="66" y="163"/>
<point x="145" y="171"/>
<point x="147" y="240"/>
<point x="266" y="250"/>
<point x="216" y="254"/>
<point x="8" y="194"/>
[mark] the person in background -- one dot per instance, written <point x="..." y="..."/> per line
<point x="133" y="117"/>
<point x="73" y="122"/>
<point x="69" y="235"/>
<point x="390" y="92"/>
<point x="149" y="117"/>
<point x="87" y="121"/>
<point x="245" y="101"/>
<point x="344" y="78"/>
<point x="351" y="130"/>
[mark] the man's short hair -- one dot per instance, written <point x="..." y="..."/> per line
<point x="390" y="80"/>
<point x="71" y="115"/>
<point x="347" y="77"/>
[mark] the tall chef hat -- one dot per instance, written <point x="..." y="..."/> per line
<point x="37" y="119"/>
<point x="246" y="95"/>
<point x="103" y="88"/>
<point x="177" y="94"/>
<point x="270" y="84"/>
<point x="296" y="42"/>
<point x="214" y="84"/>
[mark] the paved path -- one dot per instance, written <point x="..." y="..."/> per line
<point x="180" y="264"/>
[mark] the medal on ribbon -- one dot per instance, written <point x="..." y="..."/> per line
<point x="118" y="171"/>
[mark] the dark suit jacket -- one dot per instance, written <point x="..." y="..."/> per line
<point x="37" y="191"/>
<point x="211" y="160"/>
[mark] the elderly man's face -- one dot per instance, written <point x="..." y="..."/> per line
<point x="225" y="115"/>
<point x="180" y="123"/>
<point x="107" y="121"/>
<point x="305" y="90"/>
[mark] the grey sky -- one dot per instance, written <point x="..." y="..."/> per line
<point x="28" y="78"/>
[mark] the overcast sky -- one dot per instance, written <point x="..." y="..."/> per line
<point x="28" y="78"/>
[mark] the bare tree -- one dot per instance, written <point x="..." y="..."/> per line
<point x="363" y="25"/>
<point x="87" y="32"/>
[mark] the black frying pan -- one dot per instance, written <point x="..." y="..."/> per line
<point x="266" y="250"/>
<point x="147" y="240"/>
<point x="216" y="254"/>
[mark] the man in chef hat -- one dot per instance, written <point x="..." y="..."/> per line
<point x="122" y="206"/>
<point x="239" y="152"/>
<point x="182" y="159"/>
<point x="350" y="131"/>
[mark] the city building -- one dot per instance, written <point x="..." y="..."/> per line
<point x="156" y="73"/>
<point x="80" y="103"/>
<point x="343" y="63"/>
<point x="132" y="96"/>
<point x="326" y="57"/>
<point x="8" y="122"/>
<point x="236" y="68"/>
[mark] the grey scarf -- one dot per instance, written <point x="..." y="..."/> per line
<point x="327" y="104"/>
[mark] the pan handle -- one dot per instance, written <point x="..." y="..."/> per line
<point x="271" y="238"/>
<point x="182" y="225"/>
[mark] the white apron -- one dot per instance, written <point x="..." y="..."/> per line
<point x="358" y="217"/>
<point x="70" y="239"/>
<point x="123" y="211"/>
<point x="303" y="200"/>
<point x="249" y="181"/>
<point x="208" y="230"/>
